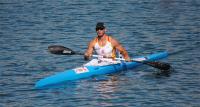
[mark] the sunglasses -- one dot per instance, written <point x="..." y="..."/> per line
<point x="99" y="29"/>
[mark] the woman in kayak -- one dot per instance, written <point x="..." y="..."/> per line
<point x="105" y="45"/>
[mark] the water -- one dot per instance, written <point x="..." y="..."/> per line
<point x="28" y="27"/>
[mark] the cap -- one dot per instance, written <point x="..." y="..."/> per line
<point x="100" y="25"/>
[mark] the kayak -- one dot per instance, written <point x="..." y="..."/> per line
<point x="89" y="70"/>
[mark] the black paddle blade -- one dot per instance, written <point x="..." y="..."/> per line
<point x="60" y="50"/>
<point x="159" y="65"/>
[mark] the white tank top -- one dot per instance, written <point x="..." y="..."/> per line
<point x="106" y="50"/>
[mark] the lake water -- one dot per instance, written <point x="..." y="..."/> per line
<point x="28" y="27"/>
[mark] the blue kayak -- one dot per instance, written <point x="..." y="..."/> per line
<point x="88" y="71"/>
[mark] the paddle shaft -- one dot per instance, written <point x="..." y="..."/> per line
<point x="61" y="50"/>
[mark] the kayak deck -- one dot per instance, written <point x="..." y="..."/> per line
<point x="88" y="71"/>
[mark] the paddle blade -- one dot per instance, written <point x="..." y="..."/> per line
<point x="159" y="65"/>
<point x="60" y="50"/>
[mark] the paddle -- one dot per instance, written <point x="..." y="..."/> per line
<point x="61" y="50"/>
